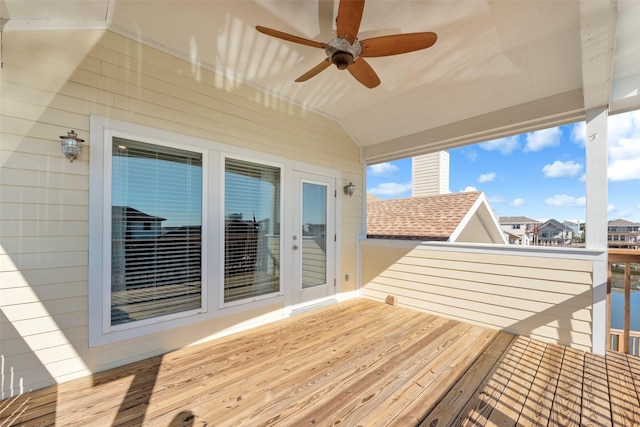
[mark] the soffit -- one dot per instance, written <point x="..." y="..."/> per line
<point x="498" y="68"/>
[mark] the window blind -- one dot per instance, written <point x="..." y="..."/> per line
<point x="252" y="229"/>
<point x="156" y="216"/>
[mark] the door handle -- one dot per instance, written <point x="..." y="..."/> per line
<point x="295" y="247"/>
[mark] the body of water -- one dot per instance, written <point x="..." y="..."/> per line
<point x="617" y="309"/>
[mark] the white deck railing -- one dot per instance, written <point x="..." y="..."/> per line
<point x="617" y="335"/>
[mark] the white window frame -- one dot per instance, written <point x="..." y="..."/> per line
<point x="101" y="130"/>
<point x="100" y="329"/>
<point x="280" y="291"/>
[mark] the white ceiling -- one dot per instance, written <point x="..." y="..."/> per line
<point x="498" y="67"/>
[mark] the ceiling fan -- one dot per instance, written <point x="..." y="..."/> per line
<point x="347" y="52"/>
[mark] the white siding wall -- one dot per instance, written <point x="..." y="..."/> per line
<point x="545" y="295"/>
<point x="51" y="82"/>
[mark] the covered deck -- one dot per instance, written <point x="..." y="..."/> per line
<point x="357" y="362"/>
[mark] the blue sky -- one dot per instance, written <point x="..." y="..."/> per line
<point x="539" y="174"/>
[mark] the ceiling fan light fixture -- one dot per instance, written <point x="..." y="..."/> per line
<point x="346" y="51"/>
<point x="342" y="60"/>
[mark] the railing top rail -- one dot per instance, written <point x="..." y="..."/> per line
<point x="620" y="332"/>
<point x="624" y="255"/>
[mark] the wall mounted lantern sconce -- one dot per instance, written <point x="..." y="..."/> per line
<point x="348" y="189"/>
<point x="71" y="145"/>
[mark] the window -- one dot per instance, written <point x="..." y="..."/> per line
<point x="252" y="230"/>
<point x="178" y="231"/>
<point x="156" y="228"/>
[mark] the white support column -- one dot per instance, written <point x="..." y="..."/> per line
<point x="596" y="219"/>
<point x="597" y="199"/>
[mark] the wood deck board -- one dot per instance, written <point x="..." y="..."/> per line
<point x="537" y="407"/>
<point x="566" y="409"/>
<point x="437" y="382"/>
<point x="452" y="405"/>
<point x="320" y="375"/>
<point x="394" y="388"/>
<point x="489" y="395"/>
<point x="508" y="408"/>
<point x="625" y="408"/>
<point x="595" y="393"/>
<point x="354" y="363"/>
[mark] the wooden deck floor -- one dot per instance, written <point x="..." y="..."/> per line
<point x="357" y="363"/>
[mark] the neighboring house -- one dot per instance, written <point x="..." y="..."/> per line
<point x="555" y="233"/>
<point x="455" y="217"/>
<point x="577" y="231"/>
<point x="623" y="234"/>
<point x="133" y="224"/>
<point x="516" y="238"/>
<point x="520" y="229"/>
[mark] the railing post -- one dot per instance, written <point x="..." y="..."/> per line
<point x="627" y="306"/>
<point x="608" y="320"/>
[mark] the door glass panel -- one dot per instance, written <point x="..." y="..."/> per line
<point x="314" y="225"/>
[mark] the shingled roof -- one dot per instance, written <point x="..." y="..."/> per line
<point x="433" y="218"/>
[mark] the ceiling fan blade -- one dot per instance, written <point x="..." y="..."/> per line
<point x="315" y="70"/>
<point x="348" y="20"/>
<point x="289" y="37"/>
<point x="396" y="44"/>
<point x="363" y="72"/>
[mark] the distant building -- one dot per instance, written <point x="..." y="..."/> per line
<point x="130" y="223"/>
<point x="455" y="217"/>
<point x="555" y="233"/>
<point x="623" y="234"/>
<point x="575" y="228"/>
<point x="520" y="229"/>
<point x="430" y="174"/>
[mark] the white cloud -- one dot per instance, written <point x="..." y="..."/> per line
<point x="497" y="199"/>
<point x="579" y="133"/>
<point x="503" y="145"/>
<point x="623" y="125"/>
<point x="383" y="169"/>
<point x="391" y="189"/>
<point x="517" y="202"/>
<point x="487" y="177"/>
<point x="624" y="158"/>
<point x="560" y="169"/>
<point x="469" y="188"/>
<point x="624" y="146"/>
<point x="541" y="139"/>
<point x="624" y="170"/>
<point x="471" y="155"/>
<point x="611" y="208"/>
<point x="564" y="200"/>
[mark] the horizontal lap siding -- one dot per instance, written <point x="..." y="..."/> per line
<point x="51" y="82"/>
<point x="541" y="297"/>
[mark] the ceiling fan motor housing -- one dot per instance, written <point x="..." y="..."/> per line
<point x="342" y="53"/>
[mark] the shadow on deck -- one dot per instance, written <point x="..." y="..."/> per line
<point x="356" y="363"/>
